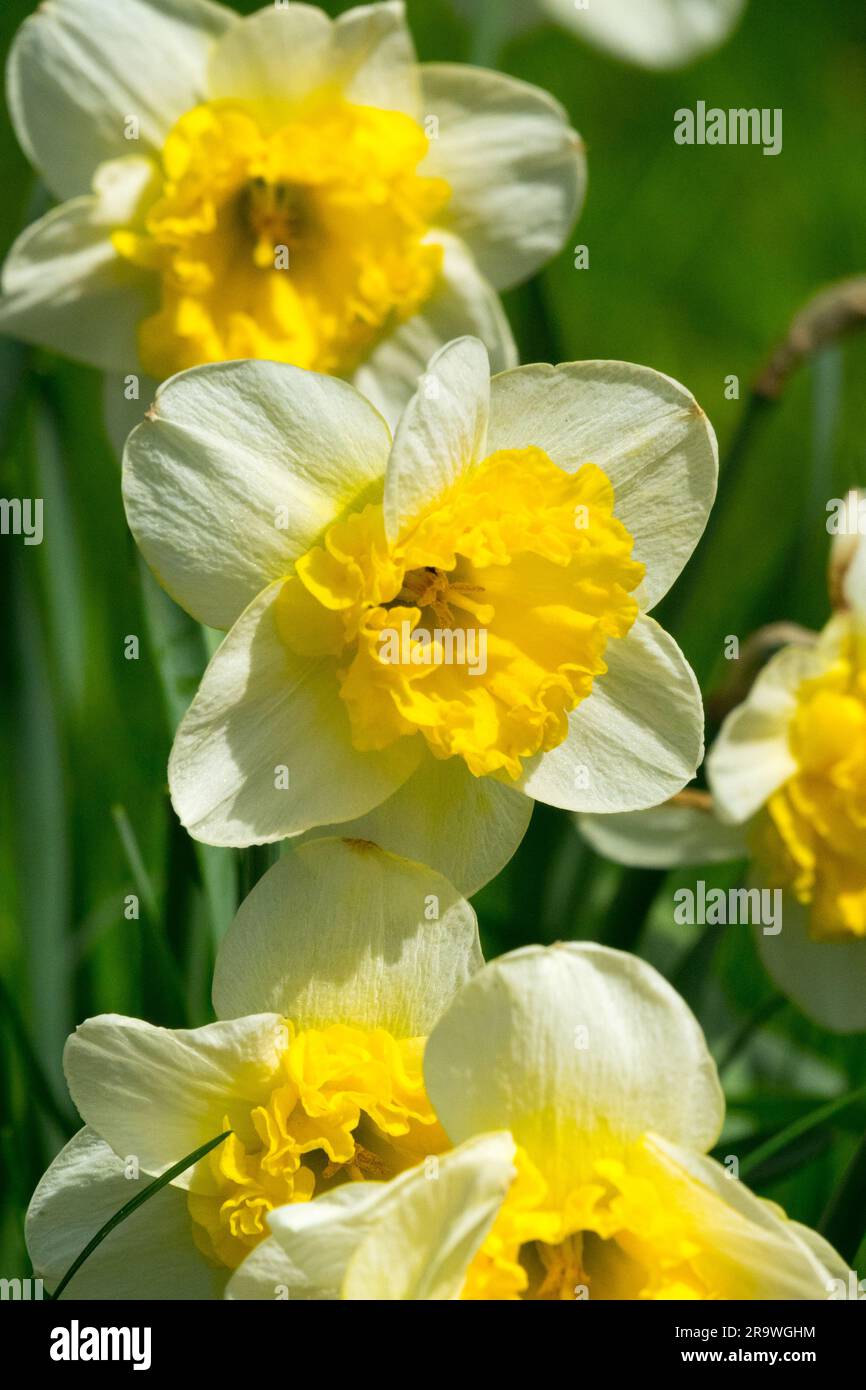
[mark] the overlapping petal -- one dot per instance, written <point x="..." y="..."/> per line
<point x="636" y="740"/>
<point x="412" y="1238"/>
<point x="663" y="837"/>
<point x="79" y="69"/>
<point x="577" y="1050"/>
<point x="341" y="930"/>
<point x="238" y="469"/>
<point x="441" y="435"/>
<point x="434" y="1227"/>
<point x="752" y="756"/>
<point x="462" y="302"/>
<point x="160" y="1093"/>
<point x="265" y="750"/>
<point x="751" y="1249"/>
<point x="516" y="168"/>
<point x="287" y="53"/>
<point x="465" y="827"/>
<point x="63" y="281"/>
<point x="149" y="1256"/>
<point x="646" y="431"/>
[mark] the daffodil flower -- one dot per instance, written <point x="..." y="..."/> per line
<point x="281" y="186"/>
<point x="787" y="775"/>
<point x="429" y="632"/>
<point x="599" y="1073"/>
<point x="330" y="978"/>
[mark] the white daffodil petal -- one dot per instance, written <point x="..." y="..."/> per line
<point x="664" y="837"/>
<point x="442" y="432"/>
<point x="636" y="740"/>
<point x="279" y="53"/>
<point x="578" y="1050"/>
<point x="647" y="433"/>
<point x="375" y="59"/>
<point x="340" y="931"/>
<point x="159" y="1093"/>
<point x="286" y="52"/>
<point x="826" y="979"/>
<point x="83" y="74"/>
<point x="651" y="33"/>
<point x="149" y="1256"/>
<point x="752" y="1251"/>
<point x="752" y="757"/>
<point x="265" y="749"/>
<point x="266" y="1273"/>
<point x="823" y="1251"/>
<point x="465" y="827"/>
<point x="422" y="1248"/>
<point x="462" y="302"/>
<point x="411" y="1238"/>
<point x="65" y="286"/>
<point x="238" y="469"/>
<point x="307" y="1255"/>
<point x="516" y="168"/>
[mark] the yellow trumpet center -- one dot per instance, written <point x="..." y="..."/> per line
<point x="812" y="839"/>
<point x="297" y="236"/>
<point x="640" y="1228"/>
<point x="484" y="624"/>
<point x="344" y="1104"/>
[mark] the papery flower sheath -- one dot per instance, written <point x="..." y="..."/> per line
<point x="429" y="632"/>
<point x="326" y="986"/>
<point x="282" y="186"/>
<point x="599" y="1073"/>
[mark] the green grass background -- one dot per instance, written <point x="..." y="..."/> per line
<point x="699" y="257"/>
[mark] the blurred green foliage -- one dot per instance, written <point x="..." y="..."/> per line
<point x="699" y="257"/>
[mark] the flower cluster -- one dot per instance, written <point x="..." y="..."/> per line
<point x="433" y="572"/>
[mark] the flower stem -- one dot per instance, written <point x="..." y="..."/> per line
<point x="772" y="1147"/>
<point x="488" y="33"/>
<point x="747" y="1030"/>
<point x="843" y="1221"/>
<point x="133" y="1205"/>
<point x="166" y="963"/>
<point x="631" y="907"/>
<point x="255" y="862"/>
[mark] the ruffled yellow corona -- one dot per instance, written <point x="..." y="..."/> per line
<point x="529" y="555"/>
<point x="346" y="1104"/>
<point x="299" y="239"/>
